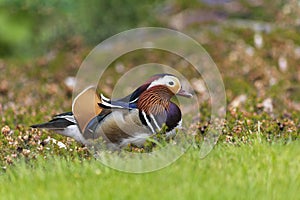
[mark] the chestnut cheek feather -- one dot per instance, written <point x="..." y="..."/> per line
<point x="155" y="100"/>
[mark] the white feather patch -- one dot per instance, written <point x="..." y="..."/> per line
<point x="73" y="132"/>
<point x="110" y="105"/>
<point x="155" y="122"/>
<point x="134" y="100"/>
<point x="104" y="98"/>
<point x="147" y="121"/>
<point x="70" y="118"/>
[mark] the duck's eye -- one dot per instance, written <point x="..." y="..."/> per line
<point x="171" y="83"/>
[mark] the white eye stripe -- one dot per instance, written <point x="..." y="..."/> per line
<point x="169" y="81"/>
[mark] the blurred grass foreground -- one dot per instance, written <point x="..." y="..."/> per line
<point x="256" y="46"/>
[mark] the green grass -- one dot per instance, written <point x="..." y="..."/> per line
<point x="257" y="171"/>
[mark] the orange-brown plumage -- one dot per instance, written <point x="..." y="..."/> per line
<point x="155" y="100"/>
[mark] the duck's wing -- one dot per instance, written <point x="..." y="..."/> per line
<point x="117" y="105"/>
<point x="128" y="102"/>
<point x="58" y="122"/>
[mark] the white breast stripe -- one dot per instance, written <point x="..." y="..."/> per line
<point x="67" y="117"/>
<point x="104" y="98"/>
<point x="134" y="100"/>
<point x="110" y="105"/>
<point x="147" y="121"/>
<point x="155" y="122"/>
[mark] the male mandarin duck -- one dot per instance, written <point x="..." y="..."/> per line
<point x="129" y="120"/>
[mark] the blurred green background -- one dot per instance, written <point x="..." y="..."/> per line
<point x="31" y="28"/>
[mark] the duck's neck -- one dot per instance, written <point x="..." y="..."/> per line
<point x="155" y="100"/>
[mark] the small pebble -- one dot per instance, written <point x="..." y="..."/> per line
<point x="4" y="87"/>
<point x="268" y="105"/>
<point x="282" y="63"/>
<point x="237" y="101"/>
<point x="258" y="40"/>
<point x="199" y="85"/>
<point x="6" y="130"/>
<point x="70" y="83"/>
<point x="26" y="152"/>
<point x="120" y="68"/>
